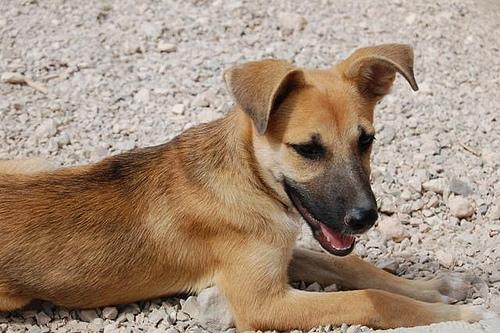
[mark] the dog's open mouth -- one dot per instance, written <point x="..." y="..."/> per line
<point x="331" y="240"/>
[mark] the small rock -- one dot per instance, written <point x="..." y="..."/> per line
<point x="353" y="329"/>
<point x="495" y="212"/>
<point x="478" y="301"/>
<point x="42" y="318"/>
<point x="291" y="21"/>
<point x="387" y="265"/>
<point x="387" y="206"/>
<point x="445" y="258"/>
<point x="331" y="288"/>
<point x="410" y="19"/>
<point x="178" y="109"/>
<point x="205" y="98"/>
<point x="406" y="194"/>
<point x="88" y="315"/>
<point x="166" y="47"/>
<point x="98" y="153"/>
<point x="495" y="277"/>
<point x="207" y="115"/>
<point x="13" y="78"/>
<point x="156" y="316"/>
<point x="125" y="145"/>
<point x="458" y="186"/>
<point x="435" y="185"/>
<point x="47" y="129"/>
<point x="191" y="307"/>
<point x="391" y="228"/>
<point x="214" y="311"/>
<point x="34" y="329"/>
<point x="133" y="46"/>
<point x="63" y="139"/>
<point x="314" y="287"/>
<point x="111" y="328"/>
<point x="96" y="325"/>
<point x="433" y="202"/>
<point x="181" y="316"/>
<point x="110" y="312"/>
<point x="461" y="207"/>
<point x="142" y="96"/>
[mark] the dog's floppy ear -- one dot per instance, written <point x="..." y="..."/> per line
<point x="259" y="87"/>
<point x="373" y="69"/>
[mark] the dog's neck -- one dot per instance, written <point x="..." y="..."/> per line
<point x="219" y="155"/>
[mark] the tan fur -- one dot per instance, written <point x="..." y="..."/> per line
<point x="206" y="208"/>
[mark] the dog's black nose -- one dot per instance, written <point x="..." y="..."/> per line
<point x="361" y="219"/>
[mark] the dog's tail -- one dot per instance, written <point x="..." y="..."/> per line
<point x="25" y="167"/>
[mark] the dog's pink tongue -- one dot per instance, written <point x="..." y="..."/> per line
<point x="336" y="239"/>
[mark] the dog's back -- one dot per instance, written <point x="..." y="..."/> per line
<point x="29" y="166"/>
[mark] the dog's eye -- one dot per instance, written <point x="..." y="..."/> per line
<point x="365" y="141"/>
<point x="311" y="151"/>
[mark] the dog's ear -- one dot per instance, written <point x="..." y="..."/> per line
<point x="259" y="87"/>
<point x="373" y="69"/>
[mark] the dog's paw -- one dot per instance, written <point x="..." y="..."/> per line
<point x="472" y="313"/>
<point x="452" y="287"/>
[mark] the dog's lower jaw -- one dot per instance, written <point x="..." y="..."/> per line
<point x="332" y="241"/>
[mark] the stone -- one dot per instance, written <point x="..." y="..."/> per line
<point x="314" y="287"/>
<point x="437" y="185"/>
<point x="178" y="109"/>
<point x="166" y="47"/>
<point x="156" y="316"/>
<point x="34" y="329"/>
<point x="410" y="19"/>
<point x="13" y="78"/>
<point x="353" y="329"/>
<point x="291" y="21"/>
<point x="96" y="325"/>
<point x="204" y="99"/>
<point x="191" y="307"/>
<point x="47" y="129"/>
<point x="388" y="265"/>
<point x="391" y="228"/>
<point x="406" y="194"/>
<point x="125" y="145"/>
<point x="111" y="328"/>
<point x="214" y="310"/>
<point x="142" y="96"/>
<point x="495" y="276"/>
<point x="445" y="258"/>
<point x="88" y="315"/>
<point x="495" y="212"/>
<point x="458" y="186"/>
<point x="42" y="318"/>
<point x="331" y="288"/>
<point x="110" y="312"/>
<point x="387" y="206"/>
<point x="206" y="115"/>
<point x="460" y="207"/>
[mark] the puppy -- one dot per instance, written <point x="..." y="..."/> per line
<point x="222" y="204"/>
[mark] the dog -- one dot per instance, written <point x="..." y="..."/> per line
<point x="222" y="204"/>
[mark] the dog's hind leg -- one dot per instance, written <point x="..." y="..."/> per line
<point x="351" y="272"/>
<point x="27" y="166"/>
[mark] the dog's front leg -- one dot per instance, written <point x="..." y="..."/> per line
<point x="255" y="283"/>
<point x="352" y="272"/>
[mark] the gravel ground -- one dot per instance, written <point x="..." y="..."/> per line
<point x="99" y="77"/>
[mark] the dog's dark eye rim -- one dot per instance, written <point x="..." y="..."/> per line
<point x="311" y="150"/>
<point x="365" y="140"/>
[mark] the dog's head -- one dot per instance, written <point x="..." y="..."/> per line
<point x="313" y="133"/>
